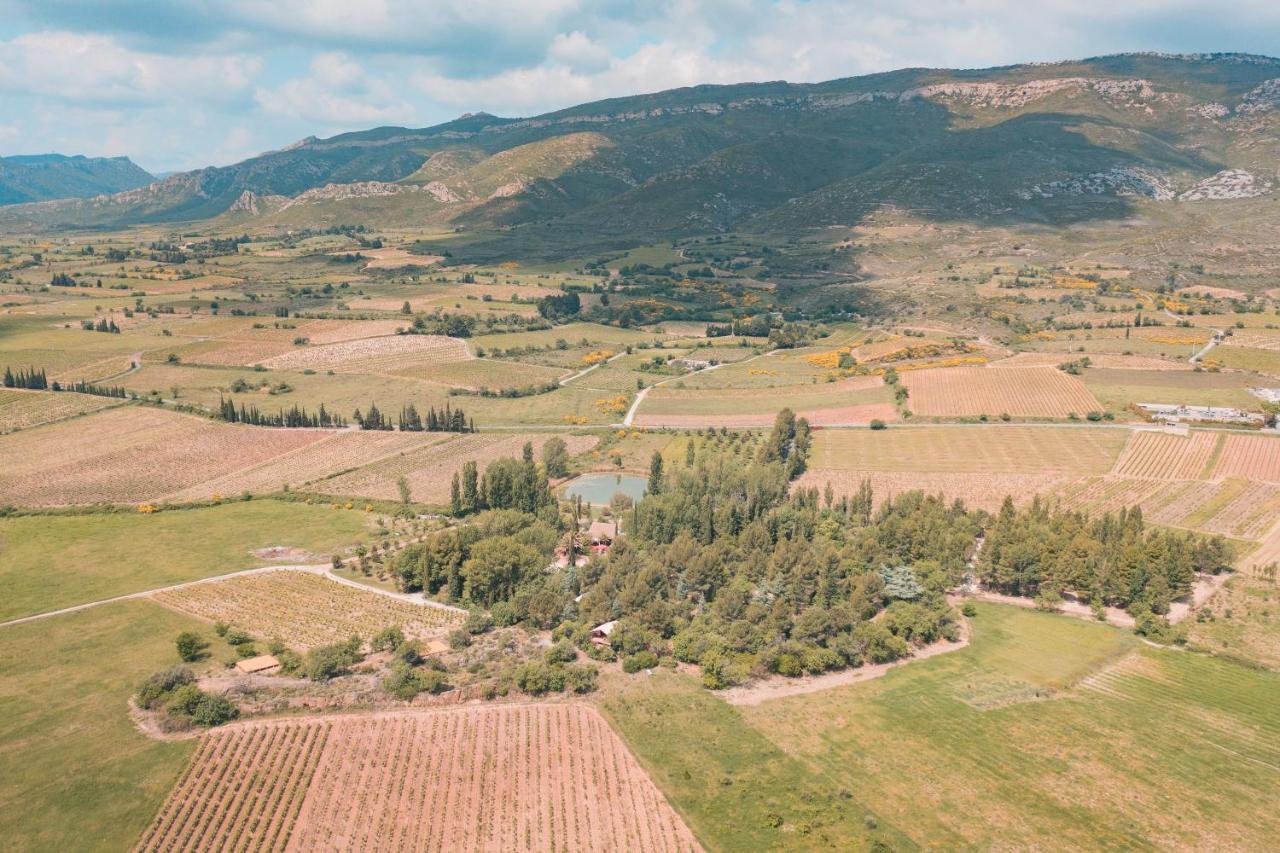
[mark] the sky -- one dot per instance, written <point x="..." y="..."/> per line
<point x="189" y="83"/>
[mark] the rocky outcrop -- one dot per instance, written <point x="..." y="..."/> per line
<point x="1227" y="184"/>
<point x="1120" y="181"/>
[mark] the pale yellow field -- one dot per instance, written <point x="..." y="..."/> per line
<point x="1037" y="392"/>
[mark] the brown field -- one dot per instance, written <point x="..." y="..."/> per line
<point x="429" y="470"/>
<point x="977" y="490"/>
<point x="1268" y="552"/>
<point x="858" y="414"/>
<point x="1254" y="457"/>
<point x="132" y="454"/>
<point x="1167" y="456"/>
<point x="336" y="452"/>
<point x="978" y="449"/>
<point x="372" y="355"/>
<point x="513" y="777"/>
<point x="304" y="609"/>
<point x="1104" y="360"/>
<point x="23" y="409"/>
<point x="1039" y="392"/>
<point x="234" y="353"/>
<point x="979" y="465"/>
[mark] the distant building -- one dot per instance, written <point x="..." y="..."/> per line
<point x="1172" y="413"/>
<point x="604" y="532"/>
<point x="259" y="665"/>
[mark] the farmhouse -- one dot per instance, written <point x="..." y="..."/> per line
<point x="604" y="532"/>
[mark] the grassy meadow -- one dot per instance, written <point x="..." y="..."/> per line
<point x="1046" y="732"/>
<point x="74" y="772"/>
<point x="48" y="562"/>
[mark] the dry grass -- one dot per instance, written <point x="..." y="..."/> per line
<point x="514" y="777"/>
<point x="305" y="610"/>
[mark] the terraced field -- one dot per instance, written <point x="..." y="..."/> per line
<point x="1167" y="456"/>
<point x="537" y="777"/>
<point x="1255" y="457"/>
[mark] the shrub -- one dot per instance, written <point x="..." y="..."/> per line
<point x="477" y="622"/>
<point x="968" y="609"/>
<point x="581" y="679"/>
<point x="158" y="687"/>
<point x="504" y="615"/>
<point x="459" y="639"/>
<point x="325" y="662"/>
<point x="189" y="646"/>
<point x="562" y="652"/>
<point x="388" y="639"/>
<point x="237" y="637"/>
<point x="407" y="653"/>
<point x="538" y="678"/>
<point x="876" y="423"/>
<point x="643" y="659"/>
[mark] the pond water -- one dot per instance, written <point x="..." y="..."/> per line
<point x="598" y="489"/>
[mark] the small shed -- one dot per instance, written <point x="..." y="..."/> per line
<point x="259" y="665"/>
<point x="600" y="633"/>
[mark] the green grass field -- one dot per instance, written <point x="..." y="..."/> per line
<point x="1247" y="358"/>
<point x="1045" y="733"/>
<point x="74" y="772"/>
<point x="48" y="562"/>
<point x="1116" y="390"/>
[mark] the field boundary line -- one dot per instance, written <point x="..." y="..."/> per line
<point x="321" y="569"/>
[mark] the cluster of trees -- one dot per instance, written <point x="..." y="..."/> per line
<point x="104" y="324"/>
<point x="174" y="692"/>
<point x="1115" y="559"/>
<point x="453" y="325"/>
<point x="31" y="378"/>
<point x="61" y="279"/>
<point x="447" y="420"/>
<point x="560" y="306"/>
<point x="725" y="564"/>
<point x="507" y="484"/>
<point x="295" y="416"/>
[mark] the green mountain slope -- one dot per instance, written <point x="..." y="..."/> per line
<point x="41" y="177"/>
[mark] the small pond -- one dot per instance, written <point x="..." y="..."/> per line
<point x="599" y="489"/>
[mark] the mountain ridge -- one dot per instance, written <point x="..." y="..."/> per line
<point x="26" y="178"/>
<point x="1052" y="142"/>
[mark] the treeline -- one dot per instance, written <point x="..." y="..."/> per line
<point x="104" y="324"/>
<point x="35" y="379"/>
<point x="445" y="420"/>
<point x="1116" y="559"/>
<point x="295" y="416"/>
<point x="31" y="378"/>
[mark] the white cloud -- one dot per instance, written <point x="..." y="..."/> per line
<point x="96" y="69"/>
<point x="336" y="92"/>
